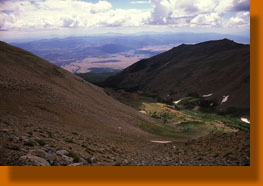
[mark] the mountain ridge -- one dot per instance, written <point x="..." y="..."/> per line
<point x="213" y="67"/>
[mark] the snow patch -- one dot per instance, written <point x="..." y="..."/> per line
<point x="225" y="98"/>
<point x="207" y="95"/>
<point x="163" y="142"/>
<point x="164" y="65"/>
<point x="142" y="111"/>
<point x="176" y="102"/>
<point x="245" y="120"/>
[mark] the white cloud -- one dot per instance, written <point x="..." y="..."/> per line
<point x="140" y="2"/>
<point x="66" y="14"/>
<point x="224" y="6"/>
<point x="58" y="14"/>
<point x="208" y="13"/>
<point x="208" y="20"/>
<point x="241" y="19"/>
<point x="170" y="11"/>
<point x="205" y="6"/>
<point x="241" y="5"/>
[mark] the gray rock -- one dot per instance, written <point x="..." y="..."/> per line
<point x="33" y="160"/>
<point x="92" y="160"/>
<point x="68" y="159"/>
<point x="48" y="149"/>
<point x="41" y="153"/>
<point x="125" y="161"/>
<point x="62" y="152"/>
<point x="76" y="164"/>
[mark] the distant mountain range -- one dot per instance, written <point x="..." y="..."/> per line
<point x="79" y="54"/>
<point x="218" y="70"/>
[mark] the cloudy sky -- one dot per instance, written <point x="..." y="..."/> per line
<point x="42" y="18"/>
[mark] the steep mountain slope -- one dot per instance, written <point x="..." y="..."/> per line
<point x="39" y="97"/>
<point x="34" y="84"/>
<point x="218" y="68"/>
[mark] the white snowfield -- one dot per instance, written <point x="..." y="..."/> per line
<point x="225" y="98"/>
<point x="207" y="95"/>
<point x="245" y="120"/>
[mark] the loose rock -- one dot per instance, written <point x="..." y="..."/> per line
<point x="62" y="152"/>
<point x="76" y="164"/>
<point x="33" y="160"/>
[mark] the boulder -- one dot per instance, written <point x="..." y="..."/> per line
<point x="68" y="159"/>
<point x="76" y="164"/>
<point x="30" y="159"/>
<point x="62" y="152"/>
<point x="41" y="153"/>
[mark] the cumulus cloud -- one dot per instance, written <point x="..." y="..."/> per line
<point x="208" y="20"/>
<point x="241" y="5"/>
<point x="170" y="11"/>
<point x="57" y="14"/>
<point x="241" y="19"/>
<point x="209" y="13"/>
<point x="66" y="14"/>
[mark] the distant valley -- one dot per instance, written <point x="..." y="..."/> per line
<point x="111" y="51"/>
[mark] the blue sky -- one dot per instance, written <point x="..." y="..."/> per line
<point x="127" y="4"/>
<point x="53" y="18"/>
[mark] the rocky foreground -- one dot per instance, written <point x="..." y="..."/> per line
<point x="47" y="145"/>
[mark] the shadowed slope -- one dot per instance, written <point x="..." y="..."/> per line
<point x="218" y="67"/>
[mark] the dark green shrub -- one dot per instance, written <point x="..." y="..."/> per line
<point x="73" y="155"/>
<point x="193" y="94"/>
<point x="234" y="112"/>
<point x="27" y="143"/>
<point x="40" y="142"/>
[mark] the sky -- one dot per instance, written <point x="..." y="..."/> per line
<point x="22" y="19"/>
